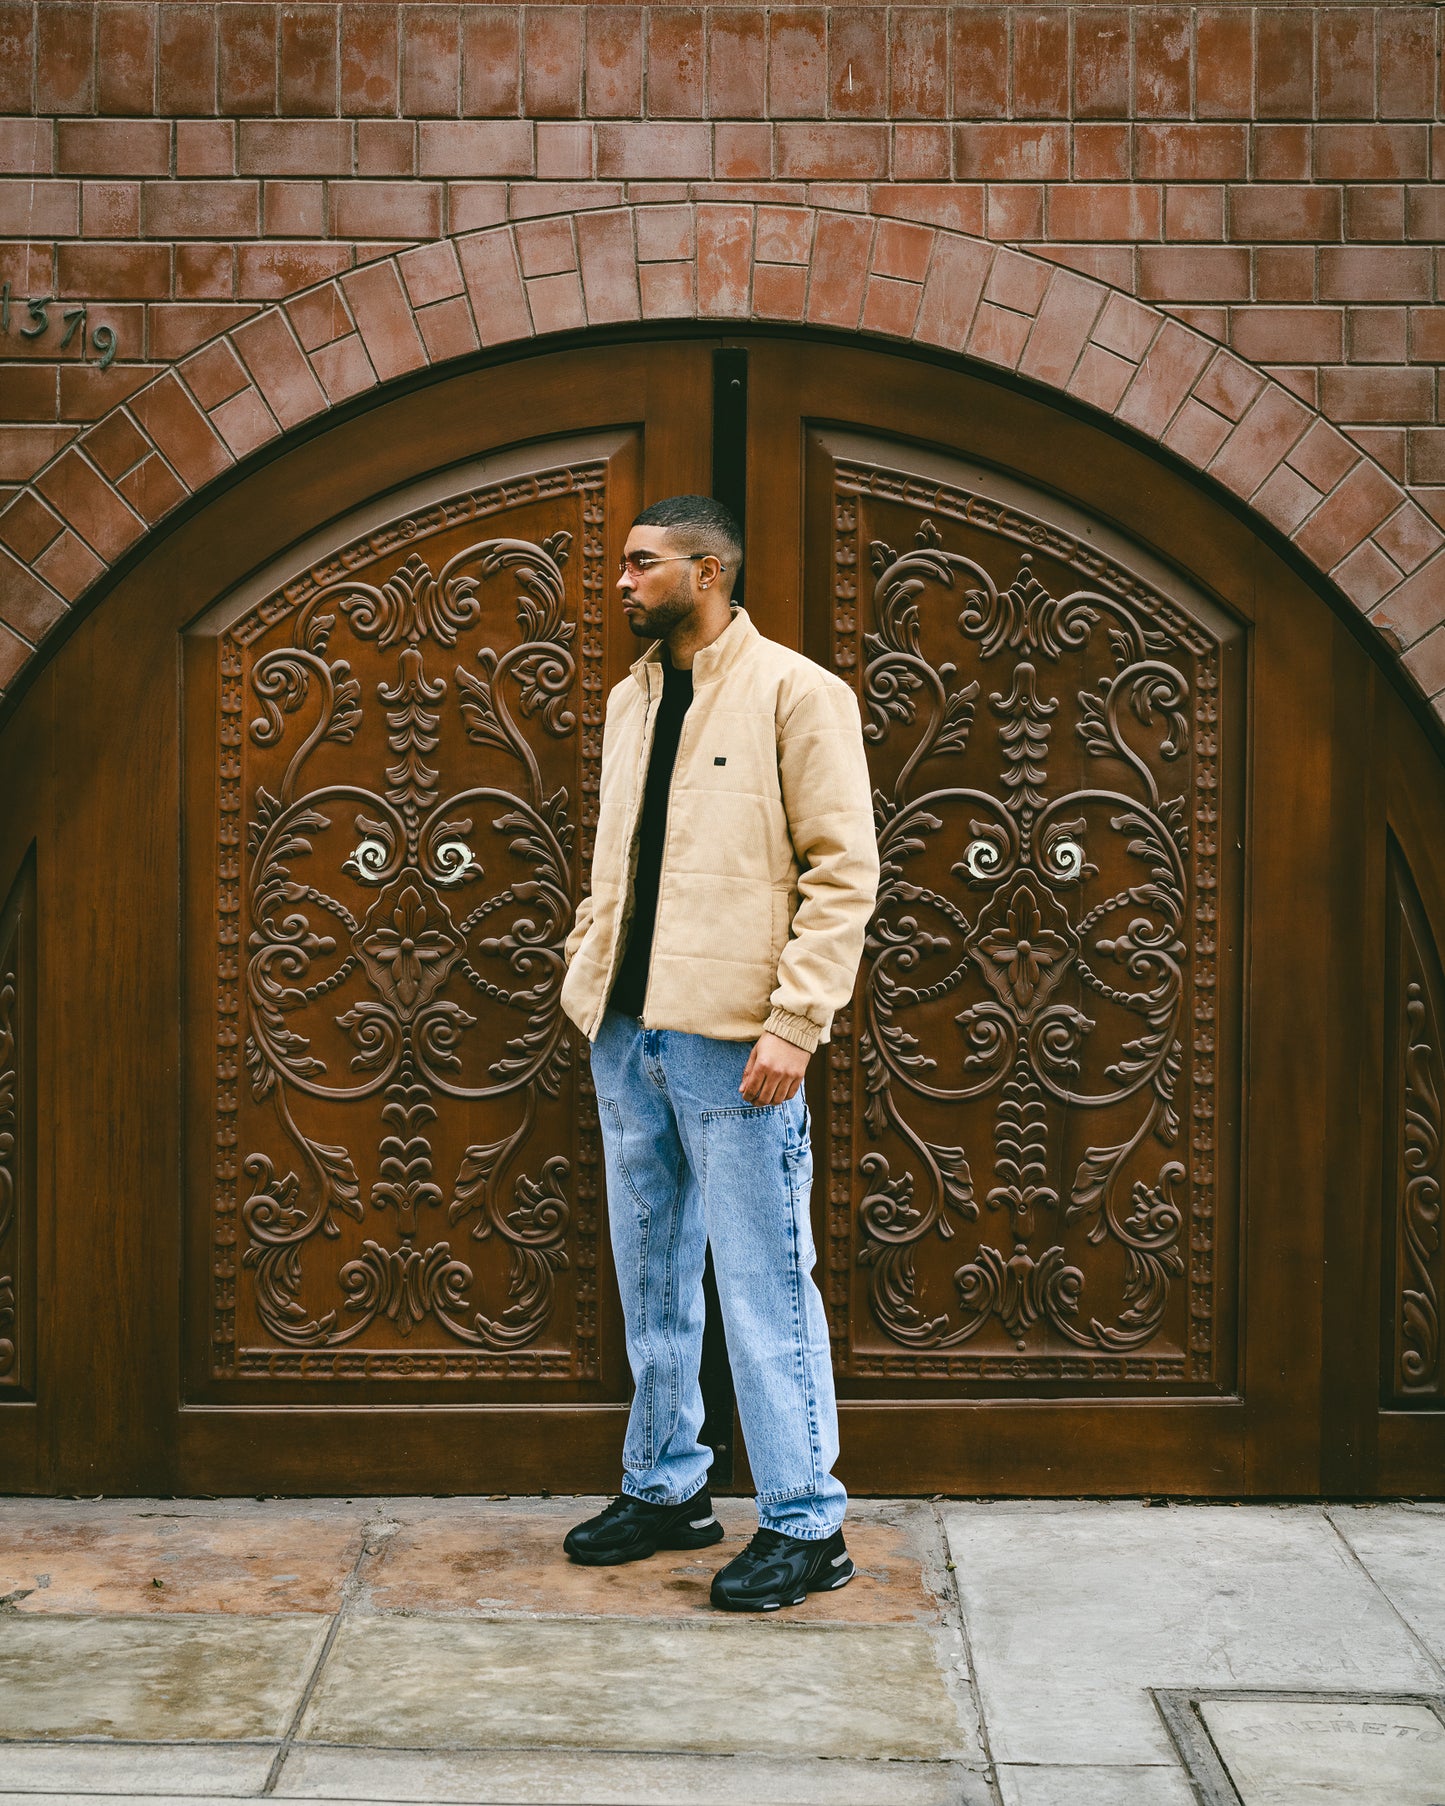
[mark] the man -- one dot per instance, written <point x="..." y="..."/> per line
<point x="734" y="872"/>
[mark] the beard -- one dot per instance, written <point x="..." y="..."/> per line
<point x="656" y="622"/>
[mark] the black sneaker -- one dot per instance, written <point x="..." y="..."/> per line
<point x="631" y="1529"/>
<point x="776" y="1569"/>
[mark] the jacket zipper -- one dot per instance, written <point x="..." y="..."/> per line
<point x="644" y="757"/>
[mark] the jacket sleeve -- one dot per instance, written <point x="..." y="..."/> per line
<point x="578" y="931"/>
<point x="828" y="800"/>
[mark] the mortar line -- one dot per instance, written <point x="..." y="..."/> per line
<point x="348" y="1589"/>
<point x="1429" y="1654"/>
<point x="951" y="1570"/>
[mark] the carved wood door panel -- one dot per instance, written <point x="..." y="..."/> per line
<point x="1029" y="1141"/>
<point x="393" y="747"/>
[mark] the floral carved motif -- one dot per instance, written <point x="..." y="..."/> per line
<point x="1042" y="955"/>
<point x="398" y="902"/>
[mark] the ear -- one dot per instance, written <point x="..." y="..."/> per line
<point x="708" y="570"/>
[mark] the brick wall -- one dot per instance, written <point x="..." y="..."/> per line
<point x="211" y="180"/>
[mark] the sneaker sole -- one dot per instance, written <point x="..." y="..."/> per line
<point x="827" y="1584"/>
<point x="617" y="1558"/>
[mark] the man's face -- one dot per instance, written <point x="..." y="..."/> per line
<point x="655" y="600"/>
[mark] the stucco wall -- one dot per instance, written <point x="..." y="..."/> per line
<point x="275" y="207"/>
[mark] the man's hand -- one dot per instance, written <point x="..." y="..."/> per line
<point x="774" y="1070"/>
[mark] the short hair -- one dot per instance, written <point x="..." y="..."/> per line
<point x="701" y="524"/>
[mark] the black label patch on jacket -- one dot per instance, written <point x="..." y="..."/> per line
<point x="720" y="761"/>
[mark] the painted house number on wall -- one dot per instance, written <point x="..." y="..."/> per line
<point x="102" y="338"/>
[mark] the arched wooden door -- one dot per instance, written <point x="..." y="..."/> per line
<point x="1124" y="1149"/>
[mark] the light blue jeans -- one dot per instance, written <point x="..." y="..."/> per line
<point x="690" y="1162"/>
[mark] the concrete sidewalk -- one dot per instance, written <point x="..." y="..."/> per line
<point x="1027" y="1654"/>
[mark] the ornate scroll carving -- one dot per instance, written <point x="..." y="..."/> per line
<point x="1035" y="1020"/>
<point x="17" y="1214"/>
<point x="397" y="869"/>
<point x="1414" y="1265"/>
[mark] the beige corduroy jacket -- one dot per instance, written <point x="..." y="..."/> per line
<point x="770" y="862"/>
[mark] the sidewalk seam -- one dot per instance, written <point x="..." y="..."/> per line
<point x="956" y="1597"/>
<point x="1429" y="1654"/>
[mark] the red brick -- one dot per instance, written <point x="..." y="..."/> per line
<point x="204" y="273"/>
<point x="246" y="57"/>
<point x="386" y="210"/>
<point x="1191" y="153"/>
<point x="640" y="149"/>
<point x="1085" y="211"/>
<point x="667" y="291"/>
<point x="1011" y="153"/>
<point x="27" y="605"/>
<point x="27" y="527"/>
<point x="124" y="272"/>
<point x="293" y="209"/>
<point x="1285" y="499"/>
<point x="564" y="150"/>
<point x="177" y="328"/>
<point x="152" y="489"/>
<point x="244" y="423"/>
<point x="532" y="200"/>
<point x="556" y="303"/>
<point x="1065" y="320"/>
<point x="202" y="209"/>
<point x="1260" y="441"/>
<point x="87" y="392"/>
<point x="30" y="393"/>
<point x="780" y="291"/>
<point x="1366" y="575"/>
<point x="23" y="449"/>
<point x="1017" y="282"/>
<point x="370" y="59"/>
<point x="1377" y="335"/>
<point x="205" y="147"/>
<point x="1271" y="335"/>
<point x="737" y="65"/>
<point x="890" y="307"/>
<point x="1427" y="334"/>
<point x="125" y="59"/>
<point x="918" y="69"/>
<point x="546" y="247"/>
<point x="1370" y="153"/>
<point x="1408" y="58"/>
<point x="186" y="59"/>
<point x="473" y="206"/>
<point x="998" y="336"/>
<point x="489" y="264"/>
<point x="110" y="210"/>
<point x="309" y="73"/>
<point x="1323" y="456"/>
<point x="431" y="273"/>
<point x="609" y="267"/>
<point x="1285" y="62"/>
<point x="430" y="61"/>
<point x="384" y="319"/>
<point x="114" y="147"/>
<point x="1409" y="537"/>
<point x="213" y="375"/>
<point x="614" y="62"/>
<point x="743" y="150"/>
<point x="1264" y="212"/>
<point x="17" y="56"/>
<point x="320" y="316"/>
<point x="954" y="206"/>
<point x="552" y="61"/>
<point x="902" y="250"/>
<point x="1425" y="218"/>
<point x="27" y="147"/>
<point x="979" y="56"/>
<point x="1282" y="153"/>
<point x="39" y="209"/>
<point x="344" y="370"/>
<point x="279" y="368"/>
<point x="1375" y="393"/>
<point x="1346" y="62"/>
<point x="675" y="65"/>
<point x="1196" y="433"/>
<point x="1014" y="212"/>
<point x="1284" y="273"/>
<point x="1347" y="515"/>
<point x="475" y="147"/>
<point x="1170" y="368"/>
<point x="180" y="432"/>
<point x="1040" y="63"/>
<point x="832" y="152"/>
<point x="69" y="566"/>
<point x="840" y="260"/>
<point x="1193" y="273"/>
<point x="1101" y="62"/>
<point x="64" y="58"/>
<point x="1224" y="62"/>
<point x="724" y="260"/>
<point x="1228" y="386"/>
<point x="1414" y="608"/>
<point x="1161" y="61"/>
<point x="798" y="63"/>
<point x="266" y="272"/>
<point x="447" y="330"/>
<point x="294" y="147"/>
<point x="1386" y="445"/>
<point x="1194" y="213"/>
<point x="1101" y="153"/>
<point x="665" y="234"/>
<point x="1374" y="273"/>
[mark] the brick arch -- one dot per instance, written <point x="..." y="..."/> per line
<point x="729" y="262"/>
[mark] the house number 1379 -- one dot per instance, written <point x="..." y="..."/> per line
<point x="102" y="339"/>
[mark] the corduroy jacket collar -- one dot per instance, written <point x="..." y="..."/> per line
<point x="711" y="660"/>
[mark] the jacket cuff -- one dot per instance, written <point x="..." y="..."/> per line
<point x="798" y="1029"/>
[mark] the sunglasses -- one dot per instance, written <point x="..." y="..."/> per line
<point x="640" y="563"/>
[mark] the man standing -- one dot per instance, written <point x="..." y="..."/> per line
<point x="733" y="875"/>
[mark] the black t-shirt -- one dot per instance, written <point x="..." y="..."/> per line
<point x="629" y="989"/>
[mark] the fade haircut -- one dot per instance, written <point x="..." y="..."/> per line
<point x="699" y="524"/>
